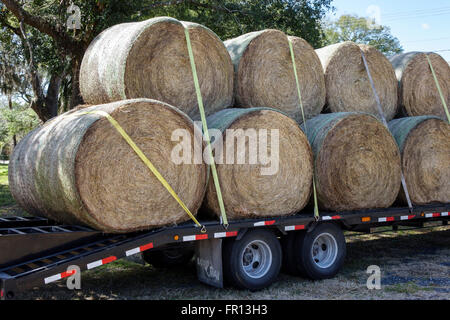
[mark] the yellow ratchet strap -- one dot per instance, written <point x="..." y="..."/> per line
<point x="144" y="159"/>
<point x="294" y="65"/>
<point x="205" y="129"/>
<point x="444" y="103"/>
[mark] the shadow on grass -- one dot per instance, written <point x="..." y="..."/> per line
<point x="404" y="246"/>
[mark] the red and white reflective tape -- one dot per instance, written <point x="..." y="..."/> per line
<point x="218" y="235"/>
<point x="436" y="215"/>
<point x="294" y="228"/>
<point x="195" y="237"/>
<point x="139" y="249"/>
<point x="403" y="218"/>
<point x="59" y="276"/>
<point x="331" y="217"/>
<point x="99" y="263"/>
<point x="264" y="223"/>
<point x="387" y="219"/>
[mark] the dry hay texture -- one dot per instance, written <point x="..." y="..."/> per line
<point x="357" y="161"/>
<point x="264" y="75"/>
<point x="418" y="93"/>
<point x="425" y="147"/>
<point x="150" y="59"/>
<point x="79" y="169"/>
<point x="247" y="193"/>
<point x="347" y="82"/>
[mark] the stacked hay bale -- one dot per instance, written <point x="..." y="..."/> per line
<point x="425" y="148"/>
<point x="418" y="93"/>
<point x="264" y="75"/>
<point x="276" y="186"/>
<point x="357" y="162"/>
<point x="150" y="59"/>
<point x="78" y="169"/>
<point x="347" y="82"/>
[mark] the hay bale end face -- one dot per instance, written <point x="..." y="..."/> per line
<point x="264" y="74"/>
<point x="357" y="162"/>
<point x="150" y="59"/>
<point x="347" y="82"/>
<point x="418" y="93"/>
<point x="249" y="192"/>
<point x="425" y="147"/>
<point x="79" y="169"/>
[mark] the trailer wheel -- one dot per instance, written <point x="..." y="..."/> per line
<point x="319" y="254"/>
<point x="252" y="262"/>
<point x="168" y="258"/>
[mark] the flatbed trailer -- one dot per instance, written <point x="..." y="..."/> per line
<point x="248" y="254"/>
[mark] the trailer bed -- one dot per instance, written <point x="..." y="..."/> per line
<point x="36" y="251"/>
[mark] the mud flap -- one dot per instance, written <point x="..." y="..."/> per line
<point x="209" y="262"/>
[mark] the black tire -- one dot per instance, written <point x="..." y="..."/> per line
<point x="264" y="242"/>
<point x="168" y="258"/>
<point x="301" y="253"/>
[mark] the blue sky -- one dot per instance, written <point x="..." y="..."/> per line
<point x="420" y="25"/>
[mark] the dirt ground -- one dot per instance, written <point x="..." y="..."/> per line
<point x="414" y="265"/>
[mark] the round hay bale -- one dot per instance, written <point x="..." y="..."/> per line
<point x="347" y="82"/>
<point x="357" y="162"/>
<point x="79" y="169"/>
<point x="418" y="94"/>
<point x="150" y="59"/>
<point x="263" y="188"/>
<point x="425" y="148"/>
<point x="264" y="75"/>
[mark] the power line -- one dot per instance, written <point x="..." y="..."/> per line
<point x="435" y="39"/>
<point x="417" y="16"/>
<point x="419" y="11"/>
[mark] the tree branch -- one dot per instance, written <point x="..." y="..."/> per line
<point x="4" y="23"/>
<point x="57" y="32"/>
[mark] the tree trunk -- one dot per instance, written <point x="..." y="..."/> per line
<point x="10" y="108"/>
<point x="76" y="98"/>
<point x="46" y="107"/>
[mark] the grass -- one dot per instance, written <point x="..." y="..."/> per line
<point x="5" y="195"/>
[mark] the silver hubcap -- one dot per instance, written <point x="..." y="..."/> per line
<point x="256" y="259"/>
<point x="324" y="250"/>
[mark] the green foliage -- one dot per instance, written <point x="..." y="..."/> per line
<point x="4" y="133"/>
<point x="12" y="64"/>
<point x="5" y="195"/>
<point x="232" y="18"/>
<point x="362" y="30"/>
<point x="16" y="122"/>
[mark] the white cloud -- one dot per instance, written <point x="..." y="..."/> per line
<point x="426" y="26"/>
